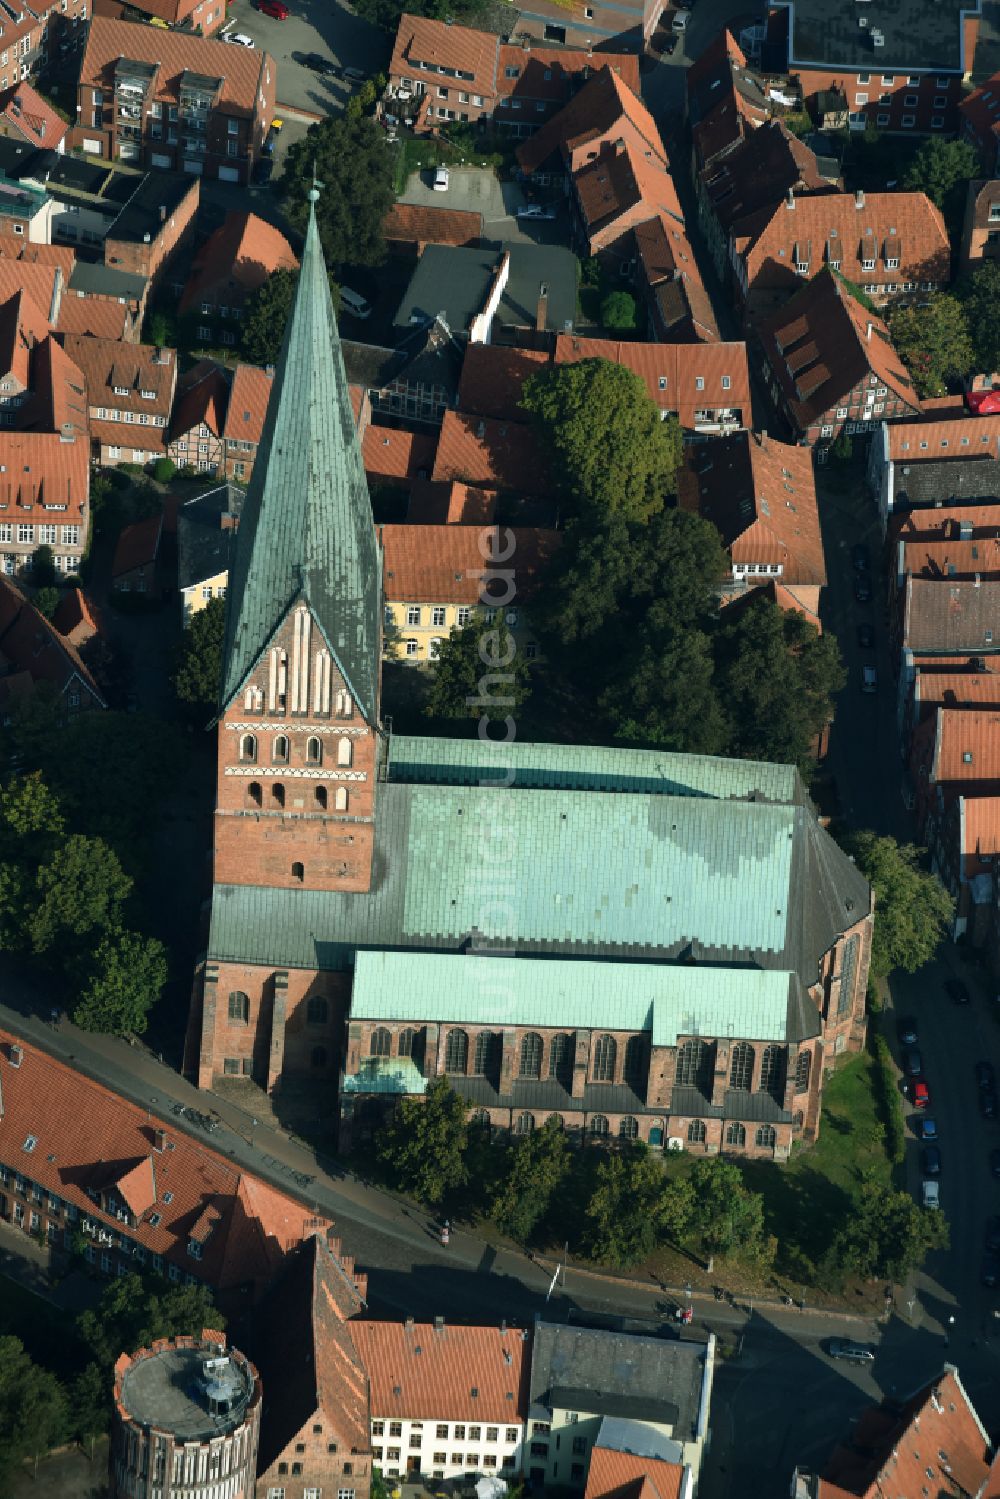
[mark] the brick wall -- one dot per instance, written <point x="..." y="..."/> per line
<point x="283" y="1032"/>
<point x="167" y="236"/>
<point x="307" y="1462"/>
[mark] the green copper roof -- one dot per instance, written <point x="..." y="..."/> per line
<point x="668" y="1001"/>
<point x="306" y="529"/>
<point x="471" y="762"/>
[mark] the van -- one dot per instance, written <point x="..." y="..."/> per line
<point x="354" y="304"/>
<point x="930" y="1194"/>
<point x="680" y="20"/>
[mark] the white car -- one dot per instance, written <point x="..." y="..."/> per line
<point x="441" y="180"/>
<point x="680" y="20"/>
<point x="930" y="1194"/>
<point x="536" y="211"/>
<point x="240" y="38"/>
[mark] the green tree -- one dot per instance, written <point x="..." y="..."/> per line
<point x="625" y="1210"/>
<point x="980" y="297"/>
<point x="386" y="13"/>
<point x="942" y="170"/>
<point x="934" y="342"/>
<point x="266" y="317"/>
<point x="777" y="677"/>
<point x="46" y="600"/>
<point x="90" y="1405"/>
<point x="886" y="1235"/>
<point x="480" y="672"/>
<point x="423" y="1143"/>
<point x="913" y="910"/>
<point x="133" y="1310"/>
<point x="619" y="312"/>
<point x="119" y="984"/>
<point x="727" y="1218"/>
<point x="351" y="158"/>
<point x="81" y="890"/>
<point x="538" y="1165"/>
<point x="164" y="470"/>
<point x="43" y="567"/>
<point x="609" y="448"/>
<point x="665" y="696"/>
<point x="33" y="1414"/>
<point x="198" y="677"/>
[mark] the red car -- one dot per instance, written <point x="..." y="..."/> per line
<point x="921" y="1095"/>
<point x="275" y="8"/>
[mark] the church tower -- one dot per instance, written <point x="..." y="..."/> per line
<point x="299" y="714"/>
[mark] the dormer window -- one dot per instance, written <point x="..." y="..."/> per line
<point x="149" y="395"/>
<point x="121" y="390"/>
<point x="867" y="265"/>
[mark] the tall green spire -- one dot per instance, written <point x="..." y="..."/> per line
<point x="306" y="531"/>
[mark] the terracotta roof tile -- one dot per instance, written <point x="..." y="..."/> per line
<point x="390" y="455"/>
<point x="950" y="559"/>
<point x="454" y="504"/>
<point x="473" y="54"/>
<point x="31" y="644"/>
<point x="617" y="182"/>
<point x="428" y="225"/>
<point x="22" y="327"/>
<point x="202" y="397"/>
<point x="61" y="257"/>
<point x="551" y="74"/>
<point x="248" y="402"/>
<point x="133" y="368"/>
<point x="493" y="377"/>
<point x="443" y="564"/>
<point x="242" y="253"/>
<point x="624" y="1475"/>
<point x="491" y="454"/>
<point x="39" y="281"/>
<point x="946" y="618"/>
<point x="725" y="99"/>
<point x="95" y="317"/>
<point x="604" y="105"/>
<point x="459" y="1374"/>
<point x="240" y="68"/>
<point x="74" y="617"/>
<point x="933" y="524"/>
<point x="39" y="468"/>
<point x="968" y="745"/>
<point x="759" y="172"/>
<point x="137" y="1186"/>
<point x="981" y="828"/>
<point x="954" y="689"/>
<point x="671" y="372"/>
<point x="32" y="116"/>
<point x="981" y="110"/>
<point x="963" y="437"/>
<point x="59" y="393"/>
<point x="138" y="545"/>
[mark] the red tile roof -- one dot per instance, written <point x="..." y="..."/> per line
<point x="133" y="368"/>
<point x="954" y="689"/>
<point x="241" y="69"/>
<point x="427" y="225"/>
<point x="28" y="252"/>
<point x="761" y="496"/>
<point x="93" y="316"/>
<point x="454" y="504"/>
<point x="89" y="1137"/>
<point x="418" y="1369"/>
<point x="242" y="253"/>
<point x="620" y="183"/>
<point x="604" y="108"/>
<point x="967" y="746"/>
<point x="248" y="402"/>
<point x="492" y="379"/>
<point x="725" y="99"/>
<point x="823" y="343"/>
<point x="32" y="648"/>
<point x="550" y="74"/>
<point x="438" y="564"/>
<point x="74" y="617"/>
<point x="623" y="1475"/>
<point x="138" y="545"/>
<point x="950" y="559"/>
<point x="393" y="456"/>
<point x="671" y="372"/>
<point x="759" y="172"/>
<point x="41" y="469"/>
<point x="937" y="525"/>
<point x="945" y="618"/>
<point x="22" y="327"/>
<point x="202" y="396"/>
<point x="32" y="116"/>
<point x="59" y="393"/>
<point x="963" y="437"/>
<point x="980" y="823"/>
<point x="38" y="280"/>
<point x="492" y="454"/>
<point x="472" y="54"/>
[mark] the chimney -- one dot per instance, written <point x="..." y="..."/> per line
<point x="409" y="1324"/>
<point x="789" y="199"/>
<point x="620" y="146"/>
<point x="541" y="311"/>
<point x="859" y="198"/>
<point x="163" y="213"/>
<point x="868" y="330"/>
<point x="439" y="1324"/>
<point x="16" y="1054"/>
<point x="159" y="1139"/>
<point x="269" y="371"/>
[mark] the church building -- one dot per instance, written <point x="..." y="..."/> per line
<point x="652" y="946"/>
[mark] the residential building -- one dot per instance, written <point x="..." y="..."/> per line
<point x="755" y="175"/>
<point x="956" y="751"/>
<point x="932" y="462"/>
<point x="32" y="652"/>
<point x="443" y="72"/>
<point x="505" y="456"/>
<point x="314" y="1436"/>
<point x="493" y="377"/>
<point x="206" y="526"/>
<point x="902" y="70"/>
<point x="433" y="583"/>
<point x="75" y="1157"/>
<point x="199" y="417"/>
<point x="395" y="457"/>
<point x="244" y="425"/>
<point x="726" y="100"/>
<point x="74" y="617"/>
<point x="26" y="116"/>
<point x="979" y="115"/>
<point x="136" y="564"/>
<point x="491" y="294"/>
<point x="418" y="380"/>
<point x="446" y="1400"/>
<point x="891" y="245"/>
<point x="108" y="285"/>
<point x="234" y="262"/>
<point x="678" y="308"/>
<point x="627" y="1460"/>
<point x="942" y="622"/>
<point x="707" y="389"/>
<point x="130" y="395"/>
<point x="602" y="112"/>
<point x="585" y="1382"/>
<point x="628" y="25"/>
<point x="170" y="99"/>
<point x="186" y="1411"/>
<point x="931" y="1439"/>
<point x="26" y="212"/>
<point x="964" y="845"/>
<point x="325" y="824"/>
<point x="761" y="496"/>
<point x="44" y="498"/>
<point x="831" y="365"/>
<point x="410" y="227"/>
<point x="981" y="229"/>
<point x="449" y="503"/>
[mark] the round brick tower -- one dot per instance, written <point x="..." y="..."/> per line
<point x="186" y="1421"/>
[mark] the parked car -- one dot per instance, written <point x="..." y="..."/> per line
<point x="859" y="557"/>
<point x="866" y="637"/>
<point x="987" y="1103"/>
<point x="927" y="1129"/>
<point x="992" y="1236"/>
<point x="441" y="180"/>
<point x="990" y="1272"/>
<point x="906" y="1030"/>
<point x="853" y="1353"/>
<point x="930" y="1160"/>
<point x="930" y="1194"/>
<point x="537" y="211"/>
<point x="239" y="39"/>
<point x="957" y="991"/>
<point x="913" y="1062"/>
<point x="317" y="63"/>
<point x="920" y="1094"/>
<point x="862" y="590"/>
<point x="276" y="9"/>
<point x="669" y="45"/>
<point x="869" y="679"/>
<point x="354" y="303"/>
<point x="680" y="21"/>
<point x="995" y="1163"/>
<point x="354" y="75"/>
<point x="985" y="1076"/>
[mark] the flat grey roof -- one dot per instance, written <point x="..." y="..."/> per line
<point x="919" y="35"/>
<point x="174" y="1391"/>
<point x="455" y="282"/>
<point x="618" y="1374"/>
<point x="105" y="281"/>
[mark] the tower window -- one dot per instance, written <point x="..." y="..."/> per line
<point x="321" y="797"/>
<point x="279" y="750"/>
<point x="278" y="794"/>
<point x="340" y="799"/>
<point x="314" y="752"/>
<point x="248" y="749"/>
<point x="345" y="752"/>
<point x="298" y="872"/>
<point x="255" y="794"/>
<point x="343" y="702"/>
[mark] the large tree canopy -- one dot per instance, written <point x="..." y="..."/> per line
<point x="980" y="296"/>
<point x="942" y="170"/>
<point x="912" y="906"/>
<point x="481" y="673"/>
<point x="198" y="677"/>
<point x="934" y="342"/>
<point x="351" y="159"/>
<point x="610" y="450"/>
